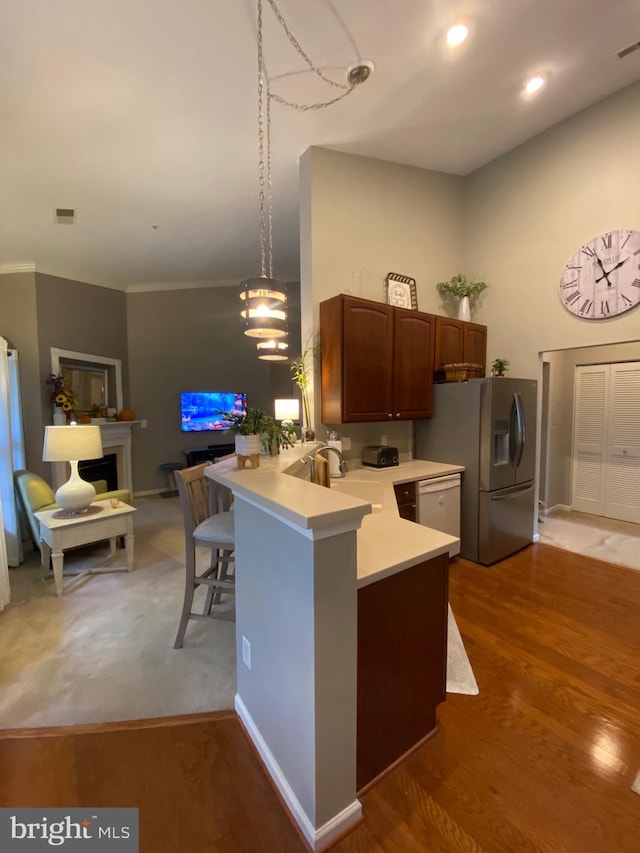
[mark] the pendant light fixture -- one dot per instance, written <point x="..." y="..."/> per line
<point x="264" y="311"/>
<point x="273" y="350"/>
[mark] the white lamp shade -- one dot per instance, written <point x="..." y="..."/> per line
<point x="287" y="410"/>
<point x="73" y="442"/>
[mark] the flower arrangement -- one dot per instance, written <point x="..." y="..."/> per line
<point x="61" y="393"/>
<point x="460" y="286"/>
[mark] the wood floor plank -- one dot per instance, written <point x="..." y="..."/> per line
<point x="541" y="761"/>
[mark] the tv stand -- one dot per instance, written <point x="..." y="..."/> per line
<point x="196" y="455"/>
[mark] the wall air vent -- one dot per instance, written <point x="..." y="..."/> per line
<point x="65" y="216"/>
<point x="627" y="50"/>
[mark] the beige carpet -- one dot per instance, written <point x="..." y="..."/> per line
<point x="104" y="651"/>
<point x="601" y="538"/>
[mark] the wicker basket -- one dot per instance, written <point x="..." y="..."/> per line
<point x="462" y="372"/>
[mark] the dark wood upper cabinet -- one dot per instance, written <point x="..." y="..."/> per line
<point x="459" y="342"/>
<point x="474" y="347"/>
<point x="412" y="364"/>
<point x="449" y="341"/>
<point x="377" y="361"/>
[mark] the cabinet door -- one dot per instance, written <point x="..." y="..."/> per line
<point x="406" y="500"/>
<point x="402" y="663"/>
<point x="474" y="348"/>
<point x="449" y="346"/>
<point x="367" y="361"/>
<point x="412" y="364"/>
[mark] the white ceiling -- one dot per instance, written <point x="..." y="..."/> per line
<point x="142" y="113"/>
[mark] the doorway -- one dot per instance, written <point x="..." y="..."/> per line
<point x="606" y="441"/>
<point x="558" y="370"/>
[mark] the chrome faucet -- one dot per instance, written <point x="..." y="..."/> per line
<point x="342" y="460"/>
<point x="312" y="462"/>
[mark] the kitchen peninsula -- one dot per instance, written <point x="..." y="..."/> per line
<point x="312" y="564"/>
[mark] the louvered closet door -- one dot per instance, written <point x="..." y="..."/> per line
<point x="622" y="491"/>
<point x="590" y="439"/>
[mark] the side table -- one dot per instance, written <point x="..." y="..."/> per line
<point x="59" y="534"/>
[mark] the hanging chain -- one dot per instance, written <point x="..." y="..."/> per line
<point x="264" y="133"/>
<point x="348" y="87"/>
<point x="261" y="130"/>
<point x="269" y="184"/>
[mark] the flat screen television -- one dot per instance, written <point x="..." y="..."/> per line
<point x="201" y="411"/>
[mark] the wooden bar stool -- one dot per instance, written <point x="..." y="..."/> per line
<point x="208" y="523"/>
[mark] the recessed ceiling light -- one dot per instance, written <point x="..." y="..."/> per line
<point x="534" y="84"/>
<point x="457" y="34"/>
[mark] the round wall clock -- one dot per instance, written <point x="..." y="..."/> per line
<point x="602" y="279"/>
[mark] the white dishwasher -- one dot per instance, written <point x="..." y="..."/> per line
<point x="439" y="506"/>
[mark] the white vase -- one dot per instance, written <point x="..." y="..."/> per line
<point x="464" y="309"/>
<point x="59" y="417"/>
<point x="248" y="449"/>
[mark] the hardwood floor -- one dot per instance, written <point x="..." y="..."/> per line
<point x="541" y="760"/>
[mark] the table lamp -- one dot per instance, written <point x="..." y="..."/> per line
<point x="72" y="444"/>
<point x="287" y="410"/>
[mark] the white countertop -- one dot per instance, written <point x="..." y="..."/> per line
<point x="386" y="543"/>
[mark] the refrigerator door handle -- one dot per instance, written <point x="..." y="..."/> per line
<point x="513" y="493"/>
<point x="516" y="431"/>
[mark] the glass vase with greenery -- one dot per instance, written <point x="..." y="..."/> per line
<point x="301" y="372"/>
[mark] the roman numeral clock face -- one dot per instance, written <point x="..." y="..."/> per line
<point x="602" y="279"/>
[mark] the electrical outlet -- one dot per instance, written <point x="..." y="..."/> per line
<point x="143" y="424"/>
<point x="246" y="652"/>
<point x="383" y="440"/>
<point x="346" y="443"/>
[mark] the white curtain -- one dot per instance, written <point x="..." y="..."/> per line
<point x="11" y="459"/>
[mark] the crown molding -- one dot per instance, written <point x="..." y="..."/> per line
<point x="180" y="285"/>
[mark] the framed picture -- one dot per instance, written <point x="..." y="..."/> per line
<point x="401" y="291"/>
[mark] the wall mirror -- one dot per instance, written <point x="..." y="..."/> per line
<point x="95" y="380"/>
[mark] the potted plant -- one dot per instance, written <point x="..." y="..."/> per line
<point x="275" y="435"/>
<point x="464" y="289"/>
<point x="499" y="367"/>
<point x="301" y="371"/>
<point x="256" y="429"/>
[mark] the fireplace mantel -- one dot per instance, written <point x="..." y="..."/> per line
<point x="116" y="438"/>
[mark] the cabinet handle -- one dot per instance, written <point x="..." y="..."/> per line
<point x="397" y="414"/>
<point x="390" y="414"/>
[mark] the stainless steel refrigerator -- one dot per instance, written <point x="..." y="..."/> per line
<point x="489" y="426"/>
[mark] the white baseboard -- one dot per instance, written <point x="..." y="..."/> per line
<point x="148" y="493"/>
<point x="536" y="537"/>
<point x="551" y="509"/>
<point x="316" y="838"/>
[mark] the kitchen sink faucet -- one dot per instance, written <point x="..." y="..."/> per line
<point x="325" y="448"/>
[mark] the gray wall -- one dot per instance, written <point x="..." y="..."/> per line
<point x="360" y="219"/>
<point x="42" y="311"/>
<point x="526" y="213"/>
<point x="81" y="317"/>
<point x="168" y="341"/>
<point x="514" y="224"/>
<point x="191" y="340"/>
